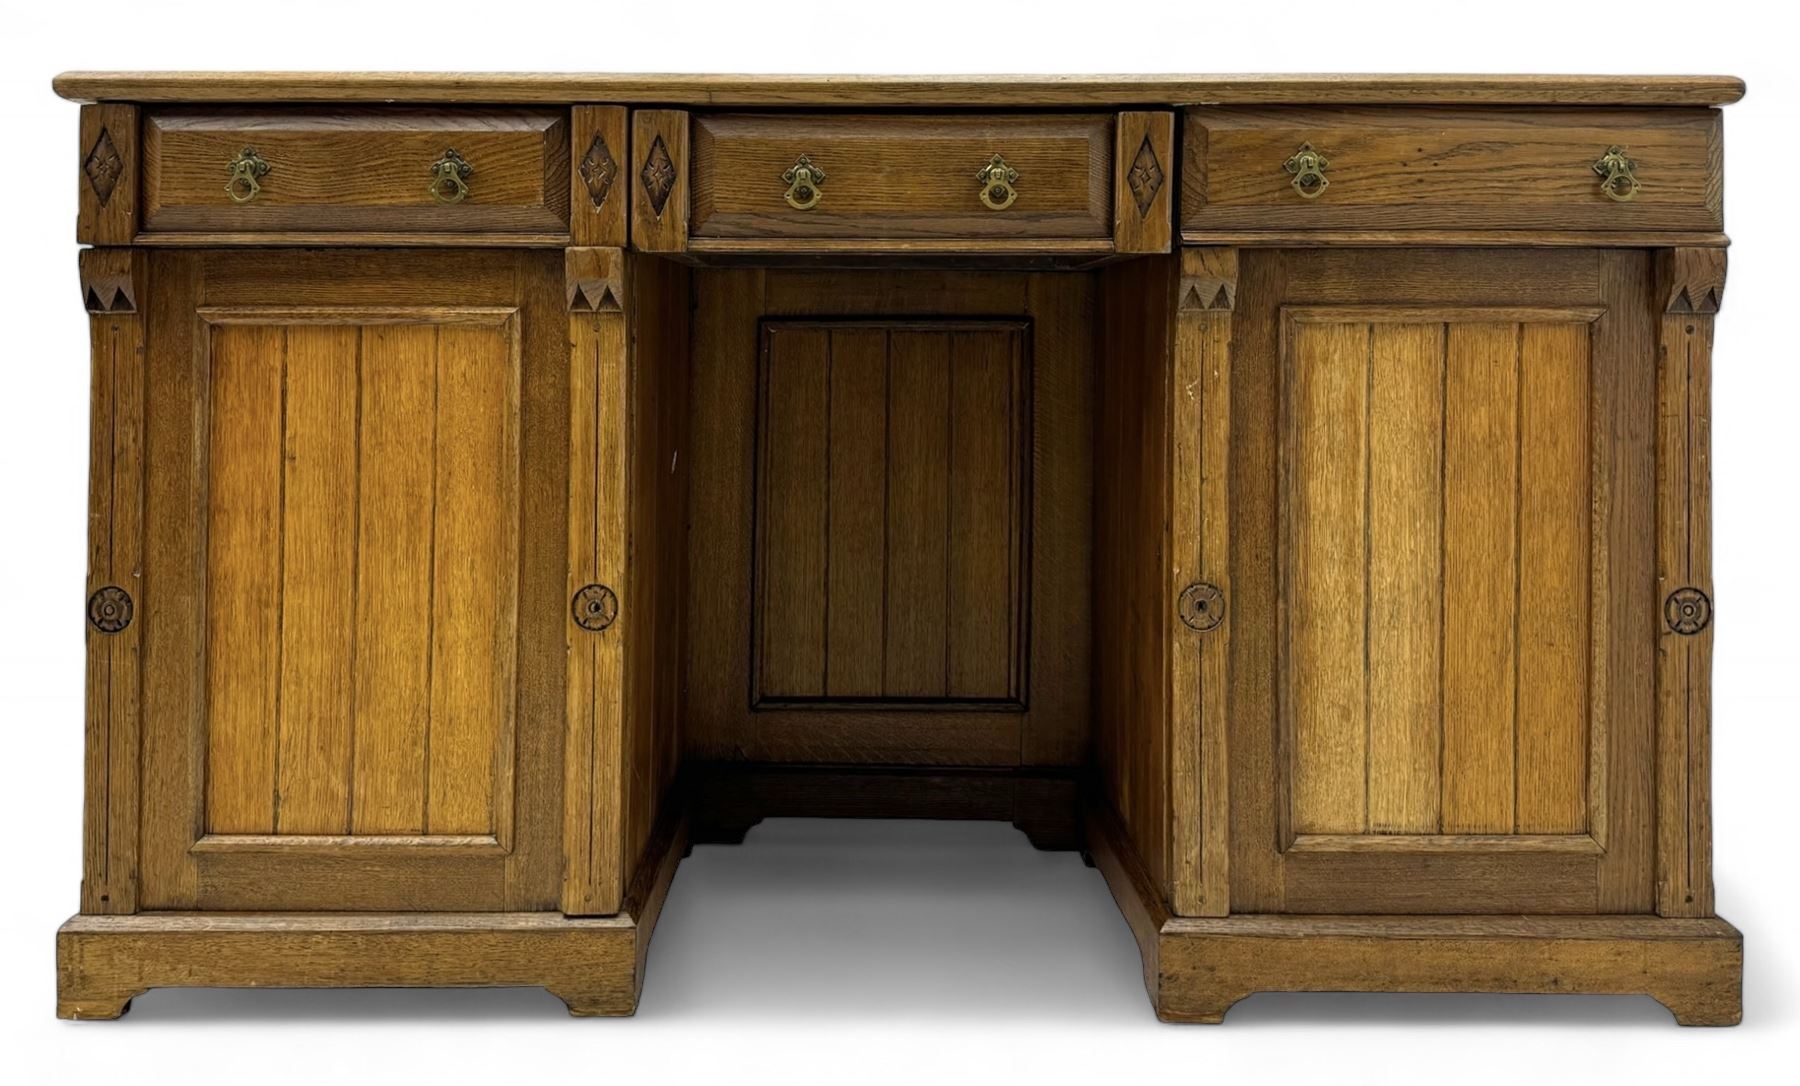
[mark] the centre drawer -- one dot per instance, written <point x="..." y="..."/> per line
<point x="883" y="176"/>
<point x="434" y="171"/>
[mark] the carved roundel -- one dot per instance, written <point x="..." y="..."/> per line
<point x="109" y="609"/>
<point x="1202" y="606"/>
<point x="1687" y="611"/>
<point x="595" y="607"/>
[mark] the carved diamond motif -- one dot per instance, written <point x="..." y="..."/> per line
<point x="1145" y="177"/>
<point x="598" y="168"/>
<point x="658" y="176"/>
<point x="103" y="167"/>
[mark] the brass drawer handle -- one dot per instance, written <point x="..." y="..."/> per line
<point x="997" y="179"/>
<point x="1618" y="175"/>
<point x="245" y="169"/>
<point x="804" y="184"/>
<point x="1308" y="168"/>
<point x="450" y="178"/>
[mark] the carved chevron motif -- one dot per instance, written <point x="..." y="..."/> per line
<point x="658" y="176"/>
<point x="107" y="281"/>
<point x="103" y="167"/>
<point x="598" y="169"/>
<point x="593" y="280"/>
<point x="1145" y="177"/>
<point x="1208" y="281"/>
<point x="1691" y="280"/>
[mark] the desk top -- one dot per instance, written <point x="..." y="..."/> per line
<point x="877" y="91"/>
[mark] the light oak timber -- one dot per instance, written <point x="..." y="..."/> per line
<point x="1690" y="285"/>
<point x="917" y="90"/>
<point x="1196" y="969"/>
<point x="594" y="965"/>
<point x="1336" y="573"/>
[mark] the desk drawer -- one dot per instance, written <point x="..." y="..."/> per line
<point x="901" y="177"/>
<point x="357" y="170"/>
<point x="1476" y="169"/>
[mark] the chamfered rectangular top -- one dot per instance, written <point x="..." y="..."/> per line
<point x="979" y="91"/>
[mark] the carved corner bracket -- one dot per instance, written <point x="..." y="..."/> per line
<point x="594" y="280"/>
<point x="1209" y="279"/>
<point x="111" y="280"/>
<point x="1690" y="280"/>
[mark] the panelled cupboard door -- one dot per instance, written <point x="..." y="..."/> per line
<point x="353" y="581"/>
<point x="1442" y="499"/>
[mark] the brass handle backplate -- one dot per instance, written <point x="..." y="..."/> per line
<point x="1618" y="175"/>
<point x="245" y="169"/>
<point x="997" y="179"/>
<point x="450" y="178"/>
<point x="1308" y="168"/>
<point x="804" y="183"/>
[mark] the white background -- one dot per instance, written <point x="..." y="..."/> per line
<point x="892" y="952"/>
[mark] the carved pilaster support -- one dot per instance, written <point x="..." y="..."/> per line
<point x="1690" y="284"/>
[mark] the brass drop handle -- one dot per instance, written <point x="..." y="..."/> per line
<point x="1618" y="175"/>
<point x="1308" y="168"/>
<point x="450" y="178"/>
<point x="997" y="178"/>
<point x="804" y="184"/>
<point x="245" y="169"/>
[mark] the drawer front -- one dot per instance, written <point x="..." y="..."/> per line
<point x="356" y="170"/>
<point x="1479" y="169"/>
<point x="902" y="177"/>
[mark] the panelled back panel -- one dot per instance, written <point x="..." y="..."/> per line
<point x="892" y="514"/>
<point x="361" y="569"/>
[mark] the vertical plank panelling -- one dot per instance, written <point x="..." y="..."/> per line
<point x="397" y="456"/>
<point x="318" y="555"/>
<point x="243" y="575"/>
<point x="1405" y="605"/>
<point x="1481" y="452"/>
<point x="472" y="611"/>
<point x="1555" y="548"/>
<point x="857" y="565"/>
<point x="1327" y="568"/>
<point x="918" y="481"/>
<point x="983" y="515"/>
<point x="792" y="549"/>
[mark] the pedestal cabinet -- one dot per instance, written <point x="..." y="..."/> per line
<point x="1296" y="502"/>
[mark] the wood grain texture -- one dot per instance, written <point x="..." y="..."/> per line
<point x="1690" y="286"/>
<point x="1144" y="169"/>
<point x="594" y="965"/>
<point x="892" y="533"/>
<point x="599" y="175"/>
<point x="900" y="90"/>
<point x="356" y="170"/>
<point x="627" y="502"/>
<point x="1139" y="723"/>
<point x="902" y="176"/>
<point x="1452" y="561"/>
<point x="1195" y="969"/>
<point x="371" y="480"/>
<point x="1428" y="169"/>
<point x="918" y="444"/>
<point x="106" y="206"/>
<point x="113" y="280"/>
<point x="658" y="173"/>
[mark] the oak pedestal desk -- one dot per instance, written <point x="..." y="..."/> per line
<point x="1292" y="492"/>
